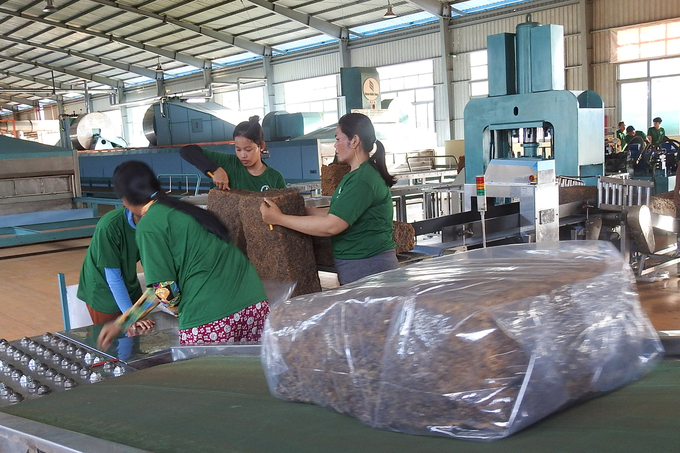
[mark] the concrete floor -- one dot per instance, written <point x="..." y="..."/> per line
<point x="30" y="304"/>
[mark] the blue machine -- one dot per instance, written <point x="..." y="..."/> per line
<point x="174" y="122"/>
<point x="297" y="160"/>
<point x="528" y="108"/>
<point x="170" y="124"/>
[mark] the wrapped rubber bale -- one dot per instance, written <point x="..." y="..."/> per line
<point x="278" y="254"/>
<point x="224" y="203"/>
<point x="331" y="175"/>
<point x="476" y="345"/>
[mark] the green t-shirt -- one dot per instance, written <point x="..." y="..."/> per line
<point x="656" y="135"/>
<point x="637" y="134"/>
<point x="363" y="200"/>
<point x="113" y="246"/>
<point x="239" y="178"/>
<point x="621" y="135"/>
<point x="215" y="279"/>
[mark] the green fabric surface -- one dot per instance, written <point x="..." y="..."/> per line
<point x="222" y="404"/>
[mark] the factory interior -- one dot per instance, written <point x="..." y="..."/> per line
<point x="532" y="300"/>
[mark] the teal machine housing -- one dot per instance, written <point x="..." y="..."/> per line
<point x="361" y="88"/>
<point x="527" y="100"/>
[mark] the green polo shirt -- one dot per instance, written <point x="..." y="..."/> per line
<point x="656" y="135"/>
<point x="239" y="178"/>
<point x="621" y="136"/>
<point x="113" y="246"/>
<point x="363" y="200"/>
<point x="637" y="134"/>
<point x="215" y="279"/>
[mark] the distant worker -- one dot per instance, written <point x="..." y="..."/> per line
<point x="108" y="278"/>
<point x="633" y="136"/>
<point x="656" y="133"/>
<point x="621" y="133"/>
<point x="359" y="220"/>
<point x="245" y="170"/>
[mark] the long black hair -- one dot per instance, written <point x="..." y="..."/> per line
<point x="358" y="124"/>
<point x="251" y="130"/>
<point x="135" y="181"/>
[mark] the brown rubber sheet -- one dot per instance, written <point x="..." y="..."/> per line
<point x="222" y="404"/>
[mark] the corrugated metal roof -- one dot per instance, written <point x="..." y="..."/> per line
<point x="116" y="43"/>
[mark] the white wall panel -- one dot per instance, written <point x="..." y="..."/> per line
<point x="620" y="13"/>
<point x="473" y="37"/>
<point x="401" y="51"/>
<point x="232" y="77"/>
<point x="574" y="79"/>
<point x="306" y="69"/>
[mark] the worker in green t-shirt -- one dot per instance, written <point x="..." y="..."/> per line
<point x="108" y="279"/>
<point x="245" y="170"/>
<point x="621" y="133"/>
<point x="633" y="136"/>
<point x="359" y="220"/>
<point x="656" y="133"/>
<point x="190" y="266"/>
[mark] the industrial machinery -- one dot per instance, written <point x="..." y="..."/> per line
<point x="297" y="144"/>
<point x="176" y="122"/>
<point x="94" y="131"/>
<point x="654" y="162"/>
<point x="38" y="184"/>
<point x="527" y="138"/>
<point x="280" y="126"/>
<point x="531" y="181"/>
<point x="528" y="113"/>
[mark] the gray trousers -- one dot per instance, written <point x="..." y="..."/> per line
<point x="352" y="270"/>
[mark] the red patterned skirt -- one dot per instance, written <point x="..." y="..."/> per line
<point x="242" y="327"/>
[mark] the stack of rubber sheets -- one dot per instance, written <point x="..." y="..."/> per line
<point x="222" y="404"/>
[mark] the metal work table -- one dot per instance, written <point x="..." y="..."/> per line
<point x="222" y="404"/>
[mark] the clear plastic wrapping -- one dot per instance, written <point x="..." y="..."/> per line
<point x="476" y="345"/>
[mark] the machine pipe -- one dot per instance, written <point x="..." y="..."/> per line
<point x="182" y="94"/>
<point x="30" y="126"/>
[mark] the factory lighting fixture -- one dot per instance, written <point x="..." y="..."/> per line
<point x="389" y="14"/>
<point x="49" y="7"/>
<point x="159" y="68"/>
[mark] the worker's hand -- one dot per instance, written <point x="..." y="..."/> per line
<point x="140" y="327"/>
<point x="270" y="212"/>
<point x="221" y="179"/>
<point x="106" y="336"/>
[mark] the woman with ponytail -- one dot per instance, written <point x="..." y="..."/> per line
<point x="245" y="170"/>
<point x="190" y="266"/>
<point x="360" y="216"/>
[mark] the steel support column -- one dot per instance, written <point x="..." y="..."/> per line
<point x="446" y="46"/>
<point x="270" y="100"/>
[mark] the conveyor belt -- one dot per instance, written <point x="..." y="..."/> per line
<point x="222" y="404"/>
